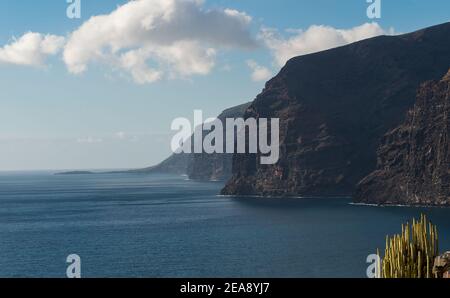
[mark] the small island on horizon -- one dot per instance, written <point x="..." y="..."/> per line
<point x="75" y="173"/>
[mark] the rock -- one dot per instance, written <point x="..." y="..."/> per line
<point x="200" y="166"/>
<point x="442" y="265"/>
<point x="215" y="166"/>
<point x="414" y="158"/>
<point x="446" y="78"/>
<point x="334" y="107"/>
<point x="176" y="164"/>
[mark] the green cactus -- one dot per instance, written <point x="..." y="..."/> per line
<point x="410" y="254"/>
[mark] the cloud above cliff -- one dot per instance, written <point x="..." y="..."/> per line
<point x="259" y="73"/>
<point x="314" y="39"/>
<point x="151" y="39"/>
<point x="31" y="49"/>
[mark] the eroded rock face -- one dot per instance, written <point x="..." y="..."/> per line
<point x="334" y="107"/>
<point x="414" y="158"/>
<point x="215" y="166"/>
<point x="202" y="167"/>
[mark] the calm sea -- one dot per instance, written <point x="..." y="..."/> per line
<point x="166" y="226"/>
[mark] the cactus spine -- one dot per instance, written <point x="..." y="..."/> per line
<point x="411" y="254"/>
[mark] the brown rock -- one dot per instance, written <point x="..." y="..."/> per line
<point x="414" y="159"/>
<point x="334" y="108"/>
<point x="203" y="167"/>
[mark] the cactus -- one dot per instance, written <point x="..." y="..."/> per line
<point x="410" y="254"/>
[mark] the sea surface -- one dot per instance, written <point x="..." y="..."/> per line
<point x="129" y="225"/>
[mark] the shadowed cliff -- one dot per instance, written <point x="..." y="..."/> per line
<point x="334" y="107"/>
<point x="414" y="158"/>
<point x="200" y="166"/>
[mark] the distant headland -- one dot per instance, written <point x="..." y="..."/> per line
<point x="75" y="173"/>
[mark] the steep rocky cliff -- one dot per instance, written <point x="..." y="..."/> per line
<point x="414" y="158"/>
<point x="334" y="107"/>
<point x="200" y="166"/>
<point x="216" y="166"/>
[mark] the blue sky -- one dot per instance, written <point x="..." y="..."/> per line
<point x="53" y="118"/>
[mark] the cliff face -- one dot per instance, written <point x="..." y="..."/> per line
<point x="176" y="164"/>
<point x="203" y="167"/>
<point x="215" y="166"/>
<point x="414" y="158"/>
<point x="334" y="107"/>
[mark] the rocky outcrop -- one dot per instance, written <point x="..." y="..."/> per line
<point x="414" y="158"/>
<point x="334" y="107"/>
<point x="441" y="266"/>
<point x="176" y="164"/>
<point x="216" y="166"/>
<point x="203" y="166"/>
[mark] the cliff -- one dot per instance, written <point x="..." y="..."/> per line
<point x="414" y="158"/>
<point x="203" y="167"/>
<point x="216" y="166"/>
<point x="334" y="107"/>
<point x="175" y="164"/>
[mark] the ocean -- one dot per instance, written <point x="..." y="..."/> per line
<point x="131" y="225"/>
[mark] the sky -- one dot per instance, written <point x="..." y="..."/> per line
<point x="101" y="91"/>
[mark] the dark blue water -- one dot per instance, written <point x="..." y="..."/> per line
<point x="164" y="226"/>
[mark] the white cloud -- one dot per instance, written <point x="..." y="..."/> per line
<point x="31" y="49"/>
<point x="89" y="140"/>
<point x="135" y="63"/>
<point x="155" y="39"/>
<point x="259" y="73"/>
<point x="152" y="39"/>
<point x="123" y="136"/>
<point x="315" y="38"/>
